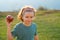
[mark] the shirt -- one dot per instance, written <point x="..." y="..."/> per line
<point x="23" y="32"/>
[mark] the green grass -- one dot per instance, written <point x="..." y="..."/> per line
<point x="48" y="26"/>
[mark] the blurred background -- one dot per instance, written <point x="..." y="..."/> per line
<point x="47" y="17"/>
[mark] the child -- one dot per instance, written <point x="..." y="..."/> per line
<point x="25" y="30"/>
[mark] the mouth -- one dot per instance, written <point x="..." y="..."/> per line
<point x="29" y="21"/>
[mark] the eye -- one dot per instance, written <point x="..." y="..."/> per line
<point x="31" y="17"/>
<point x="26" y="17"/>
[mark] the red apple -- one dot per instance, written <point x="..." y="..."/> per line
<point x="9" y="18"/>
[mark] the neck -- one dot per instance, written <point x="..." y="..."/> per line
<point x="27" y="24"/>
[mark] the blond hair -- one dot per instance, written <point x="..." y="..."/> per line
<point x="19" y="16"/>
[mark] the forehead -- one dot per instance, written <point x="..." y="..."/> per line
<point x="29" y="14"/>
<point x="28" y="9"/>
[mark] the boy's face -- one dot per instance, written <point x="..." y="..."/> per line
<point x="28" y="17"/>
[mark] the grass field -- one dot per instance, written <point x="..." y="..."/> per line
<point x="48" y="25"/>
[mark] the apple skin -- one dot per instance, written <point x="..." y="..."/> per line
<point x="9" y="18"/>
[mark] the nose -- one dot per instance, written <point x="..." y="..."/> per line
<point x="29" y="19"/>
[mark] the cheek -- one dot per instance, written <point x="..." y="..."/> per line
<point x="25" y="19"/>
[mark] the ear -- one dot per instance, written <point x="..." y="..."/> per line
<point x="34" y="18"/>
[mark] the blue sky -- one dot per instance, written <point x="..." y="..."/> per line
<point x="10" y="5"/>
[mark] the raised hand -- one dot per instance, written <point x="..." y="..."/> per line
<point x="9" y="19"/>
